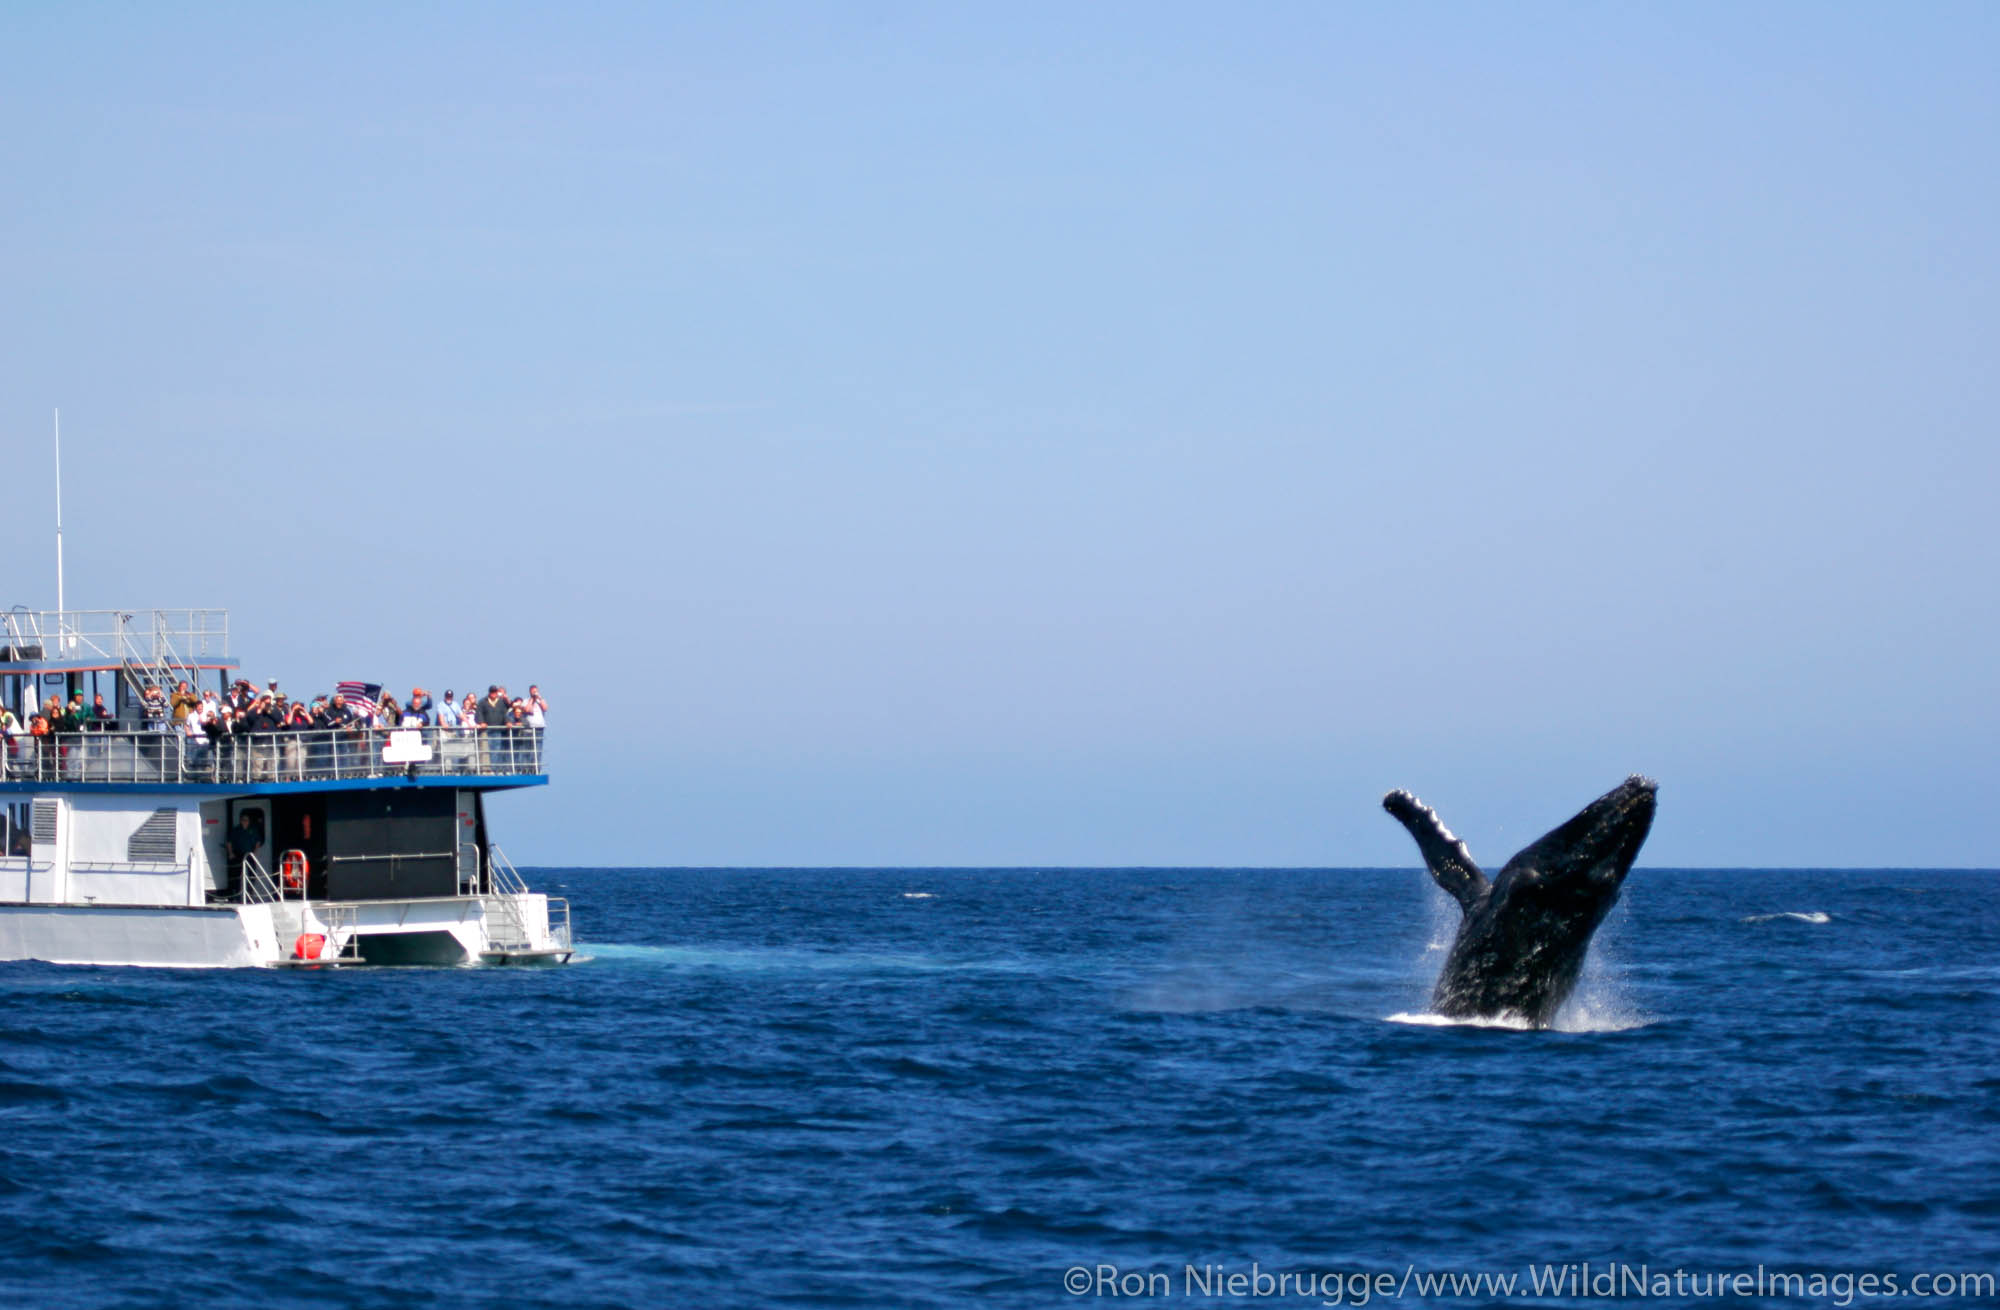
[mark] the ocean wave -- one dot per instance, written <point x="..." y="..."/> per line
<point x="1806" y="916"/>
<point x="782" y="959"/>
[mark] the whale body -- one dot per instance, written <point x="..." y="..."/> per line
<point x="1523" y="935"/>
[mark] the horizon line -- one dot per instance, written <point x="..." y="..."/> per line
<point x="1244" y="868"/>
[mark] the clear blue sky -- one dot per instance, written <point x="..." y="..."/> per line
<point x="1051" y="434"/>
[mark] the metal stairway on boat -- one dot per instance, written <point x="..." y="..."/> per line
<point x="509" y="939"/>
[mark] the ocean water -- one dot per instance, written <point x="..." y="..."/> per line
<point x="944" y="1088"/>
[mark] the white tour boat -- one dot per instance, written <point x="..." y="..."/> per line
<point x="364" y="846"/>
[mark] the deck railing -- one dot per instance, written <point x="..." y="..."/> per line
<point x="317" y="755"/>
<point x="123" y="636"/>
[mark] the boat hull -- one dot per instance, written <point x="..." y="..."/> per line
<point x="454" y="930"/>
<point x="167" y="937"/>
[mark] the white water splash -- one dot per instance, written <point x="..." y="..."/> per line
<point x="1576" y="1017"/>
<point x="1600" y="1003"/>
<point x="1808" y="916"/>
<point x="1194" y="995"/>
<point x="1445" y="918"/>
<point x="1512" y="1022"/>
<point x="1599" y="1011"/>
<point x="919" y="896"/>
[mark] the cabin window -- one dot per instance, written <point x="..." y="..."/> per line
<point x="14" y="829"/>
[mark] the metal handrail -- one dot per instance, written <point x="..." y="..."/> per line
<point x="331" y="918"/>
<point x="507" y="884"/>
<point x="24" y="631"/>
<point x="259" y="887"/>
<point x="505" y="878"/>
<point x="503" y="884"/>
<point x="164" y="665"/>
<point x="392" y="855"/>
<point x="127" y="866"/>
<point x="155" y="757"/>
<point x="203" y="634"/>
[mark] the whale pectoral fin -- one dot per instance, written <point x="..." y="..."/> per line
<point x="1444" y="854"/>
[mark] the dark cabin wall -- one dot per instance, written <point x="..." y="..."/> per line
<point x="393" y="843"/>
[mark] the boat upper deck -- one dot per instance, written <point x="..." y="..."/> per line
<point x="290" y="760"/>
<point x="126" y="708"/>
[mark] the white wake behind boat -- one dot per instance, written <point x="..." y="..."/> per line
<point x="369" y="846"/>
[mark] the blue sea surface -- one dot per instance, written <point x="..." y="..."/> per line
<point x="939" y="1088"/>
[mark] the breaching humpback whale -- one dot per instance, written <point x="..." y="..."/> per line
<point x="1522" y="939"/>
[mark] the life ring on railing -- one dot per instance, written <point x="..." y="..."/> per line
<point x="292" y="868"/>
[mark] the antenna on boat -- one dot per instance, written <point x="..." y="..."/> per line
<point x="61" y="623"/>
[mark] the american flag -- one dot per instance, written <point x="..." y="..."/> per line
<point x="355" y="695"/>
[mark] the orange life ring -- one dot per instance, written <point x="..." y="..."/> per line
<point x="308" y="946"/>
<point x="292" y="867"/>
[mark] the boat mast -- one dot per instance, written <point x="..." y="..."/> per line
<point x="61" y="623"/>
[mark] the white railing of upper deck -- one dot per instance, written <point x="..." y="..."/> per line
<point x="317" y="755"/>
<point x="153" y="637"/>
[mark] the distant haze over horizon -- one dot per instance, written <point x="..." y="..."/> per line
<point x="1052" y="436"/>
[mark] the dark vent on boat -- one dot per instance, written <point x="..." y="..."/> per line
<point x="43" y="825"/>
<point x="153" y="841"/>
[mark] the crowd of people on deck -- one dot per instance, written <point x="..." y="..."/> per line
<point x="215" y="718"/>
